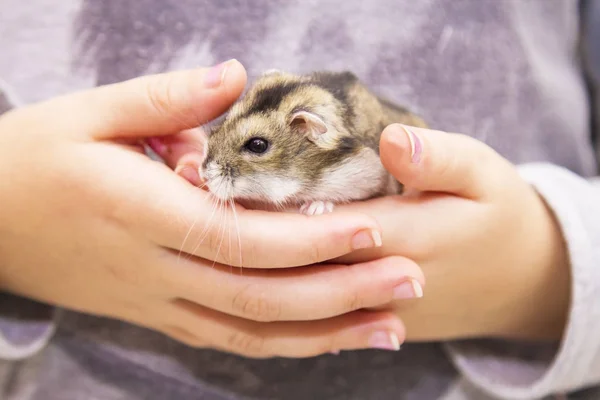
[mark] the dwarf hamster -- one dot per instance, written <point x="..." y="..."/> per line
<point x="302" y="142"/>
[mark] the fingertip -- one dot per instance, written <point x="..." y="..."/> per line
<point x="376" y="330"/>
<point x="404" y="140"/>
<point x="365" y="231"/>
<point x="189" y="173"/>
<point x="215" y="89"/>
<point x="235" y="79"/>
<point x="305" y="240"/>
<point x="184" y="149"/>
<point x="401" y="150"/>
<point x="341" y="233"/>
<point x="410" y="269"/>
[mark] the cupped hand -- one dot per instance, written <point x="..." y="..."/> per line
<point x="489" y="247"/>
<point x="89" y="222"/>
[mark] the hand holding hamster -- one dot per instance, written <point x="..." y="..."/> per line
<point x="90" y="223"/>
<point x="491" y="250"/>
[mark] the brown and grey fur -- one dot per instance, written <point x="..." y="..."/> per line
<point x="338" y="165"/>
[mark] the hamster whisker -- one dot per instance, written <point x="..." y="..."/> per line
<point x="239" y="236"/>
<point x="187" y="235"/>
<point x="204" y="233"/>
<point x="222" y="215"/>
<point x="202" y="186"/>
<point x="229" y="232"/>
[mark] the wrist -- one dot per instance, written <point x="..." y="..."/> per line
<point x="540" y="309"/>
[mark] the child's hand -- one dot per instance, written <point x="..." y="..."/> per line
<point x="87" y="221"/>
<point x="491" y="252"/>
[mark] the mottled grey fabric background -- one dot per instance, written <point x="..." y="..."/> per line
<point x="505" y="72"/>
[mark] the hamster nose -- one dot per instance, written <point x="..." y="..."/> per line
<point x="230" y="171"/>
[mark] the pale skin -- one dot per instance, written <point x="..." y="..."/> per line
<point x="90" y="223"/>
<point x="491" y="251"/>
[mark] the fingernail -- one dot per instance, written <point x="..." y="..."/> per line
<point x="335" y="352"/>
<point x="408" y="290"/>
<point x="157" y="146"/>
<point x="189" y="173"/>
<point x="384" y="340"/>
<point x="416" y="147"/>
<point x="366" y="239"/>
<point x="216" y="75"/>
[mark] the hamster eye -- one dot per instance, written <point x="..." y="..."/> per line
<point x="257" y="145"/>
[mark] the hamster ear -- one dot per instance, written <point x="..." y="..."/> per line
<point x="310" y="125"/>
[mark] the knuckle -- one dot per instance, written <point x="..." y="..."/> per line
<point x="184" y="336"/>
<point x="254" y="304"/>
<point x="134" y="309"/>
<point x="250" y="255"/>
<point x="353" y="301"/>
<point x="248" y="344"/>
<point x="313" y="254"/>
<point x="480" y="155"/>
<point x="213" y="240"/>
<point x="124" y="274"/>
<point x="223" y="254"/>
<point x="160" y="94"/>
<point x="316" y="253"/>
<point x="446" y="166"/>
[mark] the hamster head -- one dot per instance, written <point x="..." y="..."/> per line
<point x="276" y="142"/>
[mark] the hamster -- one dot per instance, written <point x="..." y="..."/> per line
<point x="302" y="143"/>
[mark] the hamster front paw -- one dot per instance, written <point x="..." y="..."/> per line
<point x="316" y="207"/>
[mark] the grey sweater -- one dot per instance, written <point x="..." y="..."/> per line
<point x="507" y="72"/>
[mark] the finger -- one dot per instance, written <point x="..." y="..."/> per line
<point x="422" y="227"/>
<point x="156" y="105"/>
<point x="358" y="330"/>
<point x="326" y="291"/>
<point x="430" y="160"/>
<point x="176" y="215"/>
<point x="183" y="152"/>
<point x="277" y="240"/>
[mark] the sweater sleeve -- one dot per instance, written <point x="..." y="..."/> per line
<point x="534" y="371"/>
<point x="25" y="327"/>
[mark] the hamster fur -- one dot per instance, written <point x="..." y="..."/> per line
<point x="303" y="143"/>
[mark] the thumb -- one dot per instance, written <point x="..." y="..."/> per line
<point x="156" y="105"/>
<point x="436" y="161"/>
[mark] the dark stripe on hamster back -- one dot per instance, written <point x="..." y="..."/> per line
<point x="336" y="83"/>
<point x="270" y="98"/>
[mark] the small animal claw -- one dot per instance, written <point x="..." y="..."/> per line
<point x="316" y="207"/>
<point x="329" y="206"/>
